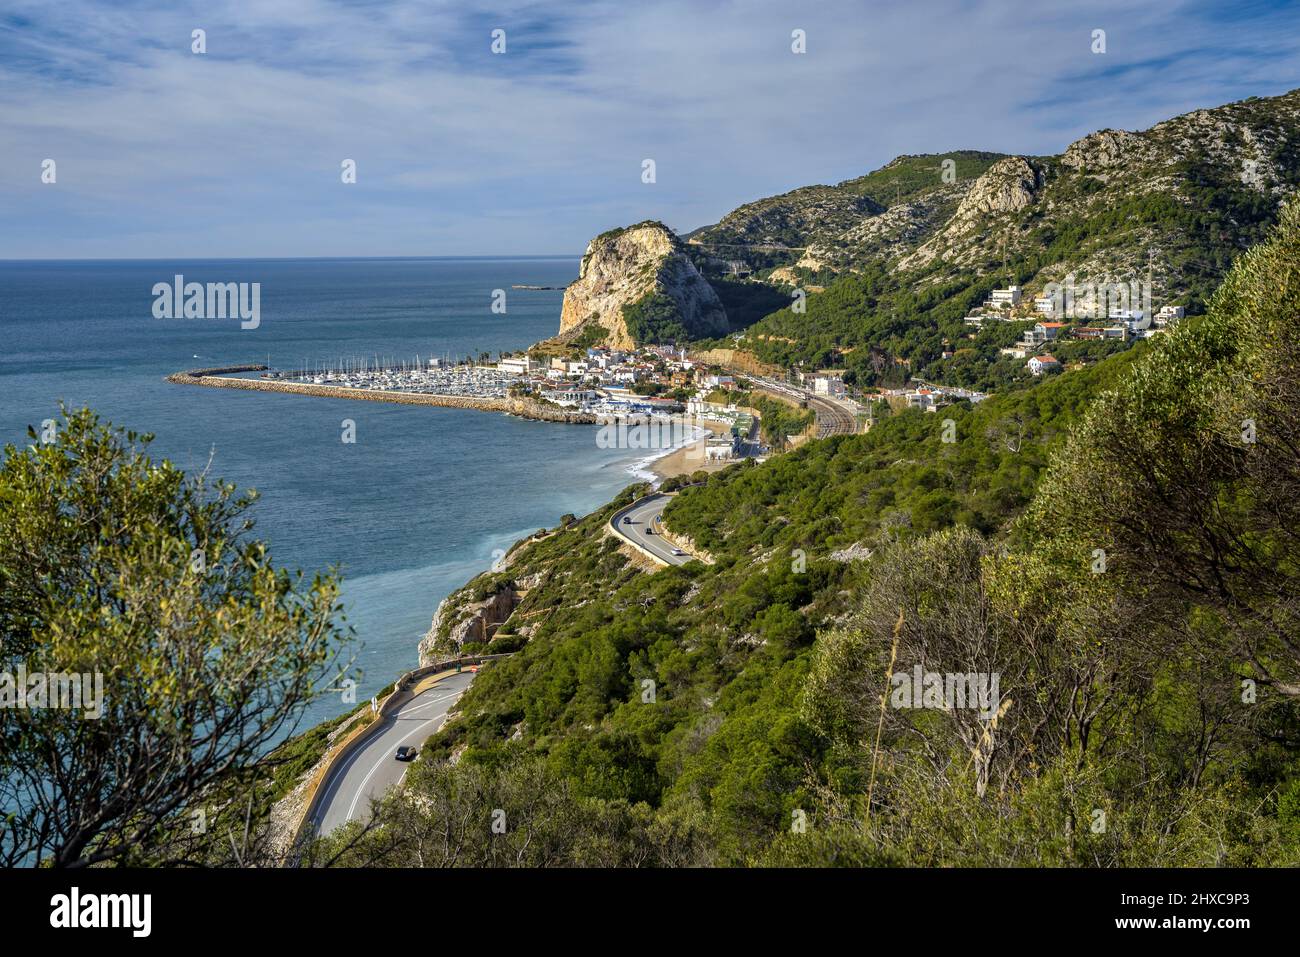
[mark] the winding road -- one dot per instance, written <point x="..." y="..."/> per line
<point x="642" y="516"/>
<point x="371" y="770"/>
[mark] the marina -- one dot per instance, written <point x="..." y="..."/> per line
<point x="371" y="390"/>
<point x="647" y="400"/>
<point x="432" y="377"/>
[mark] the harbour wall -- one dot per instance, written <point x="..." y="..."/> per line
<point x="223" y="378"/>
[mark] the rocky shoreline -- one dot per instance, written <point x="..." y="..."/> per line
<point x="464" y="617"/>
<point x="223" y="378"/>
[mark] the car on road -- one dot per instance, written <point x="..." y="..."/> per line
<point x="649" y="531"/>
<point x="406" y="753"/>
<point x="678" y="551"/>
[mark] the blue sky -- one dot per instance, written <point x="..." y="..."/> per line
<point x="164" y="153"/>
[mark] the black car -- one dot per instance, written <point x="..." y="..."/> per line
<point x="406" y="753"/>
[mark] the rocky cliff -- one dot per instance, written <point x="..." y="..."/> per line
<point x="937" y="217"/>
<point x="893" y="262"/>
<point x="458" y="621"/>
<point x="1006" y="187"/>
<point x="635" y="285"/>
<point x="882" y="215"/>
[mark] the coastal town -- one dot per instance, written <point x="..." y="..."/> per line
<point x="1115" y="312"/>
<point x="677" y="400"/>
<point x="681" y="400"/>
<point x="663" y="385"/>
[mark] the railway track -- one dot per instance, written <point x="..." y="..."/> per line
<point x="831" y="418"/>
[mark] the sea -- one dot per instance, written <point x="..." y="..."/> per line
<point x="413" y="508"/>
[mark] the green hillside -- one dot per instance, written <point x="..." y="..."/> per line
<point x="1122" y="736"/>
<point x="1171" y="206"/>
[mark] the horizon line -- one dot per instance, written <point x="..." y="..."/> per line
<point x="130" y="259"/>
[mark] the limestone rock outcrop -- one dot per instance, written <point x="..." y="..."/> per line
<point x="640" y="265"/>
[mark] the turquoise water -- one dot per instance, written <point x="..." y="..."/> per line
<point x="411" y="510"/>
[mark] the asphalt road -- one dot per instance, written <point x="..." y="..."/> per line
<point x="642" y="514"/>
<point x="369" y="772"/>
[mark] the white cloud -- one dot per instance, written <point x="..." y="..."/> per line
<point x="237" y="152"/>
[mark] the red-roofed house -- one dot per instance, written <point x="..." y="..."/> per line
<point x="1044" y="363"/>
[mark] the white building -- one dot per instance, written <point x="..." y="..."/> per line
<point x="1045" y="305"/>
<point x="1168" y="314"/>
<point x="570" y="396"/>
<point x="521" y="365"/>
<point x="711" y="410"/>
<point x="719" y="449"/>
<point x="829" y="385"/>
<point x="1043" y="332"/>
<point x="1044" y="363"/>
<point x="926" y="400"/>
<point x="1004" y="298"/>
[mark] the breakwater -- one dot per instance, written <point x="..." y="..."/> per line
<point x="224" y="378"/>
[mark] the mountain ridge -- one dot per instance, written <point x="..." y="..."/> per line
<point x="1264" y="128"/>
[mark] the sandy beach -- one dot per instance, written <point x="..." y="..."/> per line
<point x="689" y="458"/>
